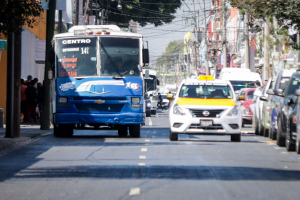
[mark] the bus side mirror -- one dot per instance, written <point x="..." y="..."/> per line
<point x="157" y="81"/>
<point x="145" y="56"/>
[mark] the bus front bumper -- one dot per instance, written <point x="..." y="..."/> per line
<point x="79" y="118"/>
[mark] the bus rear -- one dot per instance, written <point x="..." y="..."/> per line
<point x="98" y="81"/>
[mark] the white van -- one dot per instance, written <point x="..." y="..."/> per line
<point x="232" y="70"/>
<point x="241" y="79"/>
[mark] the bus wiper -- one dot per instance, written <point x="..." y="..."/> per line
<point x="122" y="75"/>
<point x="111" y="61"/>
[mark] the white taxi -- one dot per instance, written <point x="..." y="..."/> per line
<point x="205" y="106"/>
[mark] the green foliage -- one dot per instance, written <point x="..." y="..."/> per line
<point x="173" y="49"/>
<point x="20" y="12"/>
<point x="282" y="10"/>
<point x="142" y="11"/>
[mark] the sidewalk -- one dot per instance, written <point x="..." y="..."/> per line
<point x="28" y="132"/>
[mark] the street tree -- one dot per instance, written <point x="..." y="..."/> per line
<point x="157" y="12"/>
<point x="20" y="12"/>
<point x="14" y="14"/>
<point x="174" y="48"/>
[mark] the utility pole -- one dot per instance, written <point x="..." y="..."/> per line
<point x="77" y="12"/>
<point x="224" y="36"/>
<point x="206" y="50"/>
<point x="88" y="12"/>
<point x="17" y="82"/>
<point x="45" y="125"/>
<point x="266" y="51"/>
<point x="196" y="34"/>
<point x="247" y="50"/>
<point x="10" y="86"/>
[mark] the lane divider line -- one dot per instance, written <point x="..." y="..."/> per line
<point x="272" y="143"/>
<point x="135" y="191"/>
<point x="142" y="157"/>
<point x="147" y="140"/>
<point x="144" y="149"/>
<point x="142" y="164"/>
<point x="150" y="121"/>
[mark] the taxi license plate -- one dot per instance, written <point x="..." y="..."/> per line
<point x="206" y="123"/>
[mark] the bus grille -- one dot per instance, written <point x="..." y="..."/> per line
<point x="212" y="113"/>
<point x="95" y="108"/>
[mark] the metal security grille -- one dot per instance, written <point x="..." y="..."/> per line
<point x="212" y="113"/>
<point x="96" y="108"/>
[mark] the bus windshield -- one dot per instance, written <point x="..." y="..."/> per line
<point x="119" y="56"/>
<point x="216" y="91"/>
<point x="150" y="83"/>
<point x="76" y="57"/>
<point x="91" y="56"/>
<point x="237" y="85"/>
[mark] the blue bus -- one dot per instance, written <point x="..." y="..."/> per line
<point x="98" y="81"/>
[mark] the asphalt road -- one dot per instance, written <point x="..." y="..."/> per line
<point x="100" y="165"/>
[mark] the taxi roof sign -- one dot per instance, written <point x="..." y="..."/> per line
<point x="205" y="78"/>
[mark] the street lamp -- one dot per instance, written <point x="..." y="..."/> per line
<point x="119" y="5"/>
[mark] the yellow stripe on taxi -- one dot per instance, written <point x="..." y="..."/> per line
<point x="206" y="102"/>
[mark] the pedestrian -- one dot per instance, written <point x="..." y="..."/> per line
<point x="159" y="102"/>
<point x="31" y="96"/>
<point x="29" y="79"/>
<point x="170" y="97"/>
<point x="40" y="98"/>
<point x="36" y="80"/>
<point x="23" y="99"/>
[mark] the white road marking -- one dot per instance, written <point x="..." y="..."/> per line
<point x="135" y="191"/>
<point x="147" y="140"/>
<point x="150" y="121"/>
<point x="142" y="157"/>
<point x="144" y="149"/>
<point x="142" y="164"/>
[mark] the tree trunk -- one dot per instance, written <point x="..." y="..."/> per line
<point x="17" y="83"/>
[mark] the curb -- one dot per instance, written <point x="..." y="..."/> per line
<point x="8" y="144"/>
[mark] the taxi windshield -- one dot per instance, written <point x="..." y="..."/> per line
<point x="206" y="91"/>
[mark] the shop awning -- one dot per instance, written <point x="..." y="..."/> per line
<point x="3" y="44"/>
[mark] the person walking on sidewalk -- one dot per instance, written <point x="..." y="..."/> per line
<point x="23" y="98"/>
<point x="31" y="96"/>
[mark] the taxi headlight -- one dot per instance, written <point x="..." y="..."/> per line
<point x="246" y="111"/>
<point x="233" y="112"/>
<point x="177" y="110"/>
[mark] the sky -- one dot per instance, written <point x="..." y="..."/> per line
<point x="159" y="37"/>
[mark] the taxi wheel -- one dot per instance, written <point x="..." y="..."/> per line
<point x="173" y="136"/>
<point x="280" y="137"/>
<point x="236" y="138"/>
<point x="135" y="131"/>
<point x="266" y="132"/>
<point x="298" y="145"/>
<point x="122" y="131"/>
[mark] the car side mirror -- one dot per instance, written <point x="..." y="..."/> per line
<point x="279" y="92"/>
<point x="297" y="93"/>
<point x="263" y="98"/>
<point x="151" y="95"/>
<point x="146" y="95"/>
<point x="241" y="97"/>
<point x="270" y="92"/>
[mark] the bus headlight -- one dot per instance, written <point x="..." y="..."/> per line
<point x="135" y="100"/>
<point x="63" y="99"/>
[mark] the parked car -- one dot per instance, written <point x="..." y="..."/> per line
<point x="245" y="97"/>
<point x="263" y="120"/>
<point x="286" y="113"/>
<point x="297" y="120"/>
<point x="281" y="82"/>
